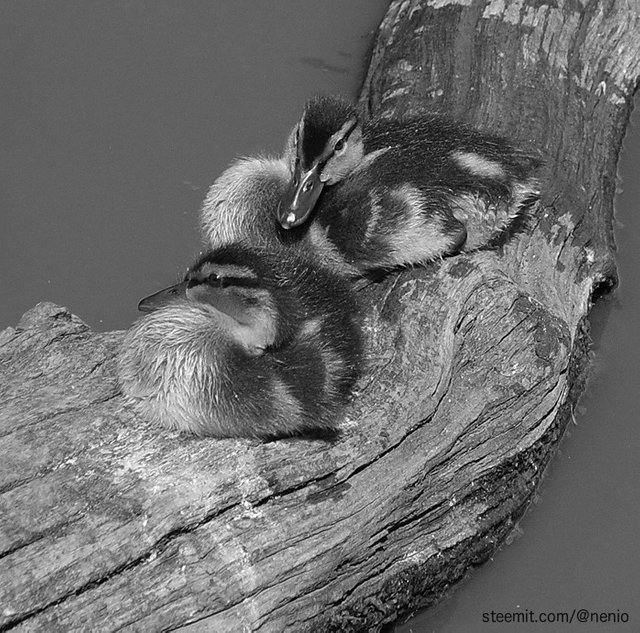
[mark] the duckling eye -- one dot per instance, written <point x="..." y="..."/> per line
<point x="339" y="146"/>
<point x="307" y="186"/>
<point x="213" y="279"/>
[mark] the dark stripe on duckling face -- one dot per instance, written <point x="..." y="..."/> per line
<point x="322" y="118"/>
<point x="335" y="161"/>
<point x="319" y="162"/>
<point x="225" y="282"/>
<point x="221" y="271"/>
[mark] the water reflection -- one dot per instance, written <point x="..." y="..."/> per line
<point x="323" y="65"/>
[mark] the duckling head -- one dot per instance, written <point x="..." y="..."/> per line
<point x="326" y="146"/>
<point x="241" y="293"/>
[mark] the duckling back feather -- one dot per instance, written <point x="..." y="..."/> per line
<point x="241" y="203"/>
<point x="480" y="179"/>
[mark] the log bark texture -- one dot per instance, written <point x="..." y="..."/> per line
<point x="474" y="366"/>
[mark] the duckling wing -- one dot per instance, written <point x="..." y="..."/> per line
<point x="479" y="180"/>
<point x="379" y="220"/>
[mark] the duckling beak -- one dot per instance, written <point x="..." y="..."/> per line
<point x="299" y="200"/>
<point x="163" y="297"/>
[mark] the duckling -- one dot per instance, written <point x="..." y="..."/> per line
<point x="242" y="207"/>
<point x="248" y="345"/>
<point x="391" y="192"/>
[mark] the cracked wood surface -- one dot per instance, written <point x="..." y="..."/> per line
<point x="474" y="363"/>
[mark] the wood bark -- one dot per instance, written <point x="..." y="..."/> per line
<point x="474" y="365"/>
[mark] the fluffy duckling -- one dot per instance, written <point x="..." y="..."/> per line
<point x="248" y="345"/>
<point x="242" y="207"/>
<point x="402" y="191"/>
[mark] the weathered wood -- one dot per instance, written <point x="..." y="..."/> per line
<point x="474" y="365"/>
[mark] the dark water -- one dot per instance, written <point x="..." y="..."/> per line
<point x="116" y="117"/>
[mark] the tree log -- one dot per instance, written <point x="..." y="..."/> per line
<point x="474" y="365"/>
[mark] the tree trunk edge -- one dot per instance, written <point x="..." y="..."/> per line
<point x="420" y="586"/>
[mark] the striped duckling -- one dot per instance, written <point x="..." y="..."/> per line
<point x="248" y="345"/>
<point x="397" y="191"/>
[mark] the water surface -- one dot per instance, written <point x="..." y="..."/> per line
<point x="117" y="116"/>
